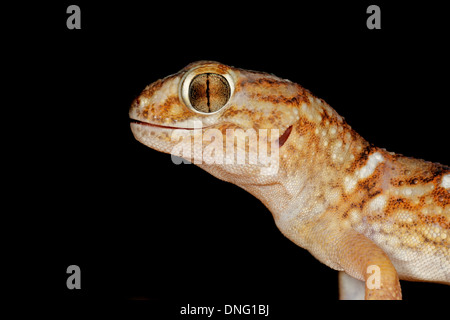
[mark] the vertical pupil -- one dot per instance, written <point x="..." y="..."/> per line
<point x="208" y="92"/>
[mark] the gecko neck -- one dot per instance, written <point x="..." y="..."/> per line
<point x="320" y="152"/>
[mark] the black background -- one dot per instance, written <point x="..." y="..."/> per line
<point x="142" y="228"/>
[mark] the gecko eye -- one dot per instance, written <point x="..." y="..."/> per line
<point x="209" y="92"/>
<point x="207" y="88"/>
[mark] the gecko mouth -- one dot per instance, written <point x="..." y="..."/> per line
<point x="281" y="140"/>
<point x="158" y="125"/>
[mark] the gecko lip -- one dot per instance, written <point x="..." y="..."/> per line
<point x="281" y="140"/>
<point x="159" y="126"/>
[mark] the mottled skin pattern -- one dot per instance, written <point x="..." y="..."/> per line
<point x="349" y="203"/>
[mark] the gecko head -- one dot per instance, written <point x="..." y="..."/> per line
<point x="211" y="114"/>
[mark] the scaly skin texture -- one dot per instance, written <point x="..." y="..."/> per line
<point x="350" y="204"/>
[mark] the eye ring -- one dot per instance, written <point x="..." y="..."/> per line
<point x="206" y="89"/>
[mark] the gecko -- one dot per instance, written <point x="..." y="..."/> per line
<point x="375" y="216"/>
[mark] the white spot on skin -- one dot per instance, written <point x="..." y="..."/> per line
<point x="405" y="216"/>
<point x="349" y="183"/>
<point x="407" y="192"/>
<point x="364" y="172"/>
<point x="377" y="203"/>
<point x="445" y="181"/>
<point x="354" y="216"/>
<point x="307" y="111"/>
<point x="372" y="163"/>
<point x="333" y="130"/>
<point x="144" y="102"/>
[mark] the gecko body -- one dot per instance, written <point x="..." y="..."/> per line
<point x="351" y="204"/>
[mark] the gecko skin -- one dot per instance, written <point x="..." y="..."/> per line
<point x="350" y="204"/>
